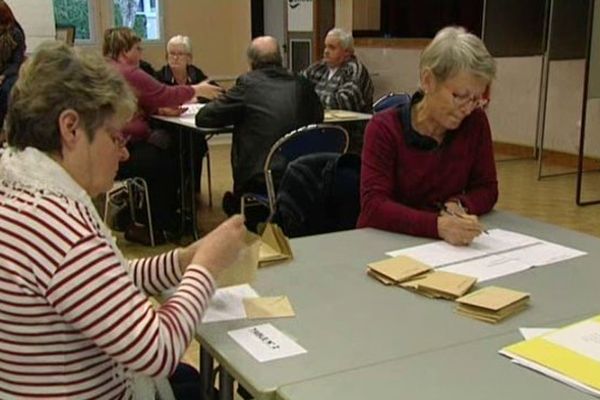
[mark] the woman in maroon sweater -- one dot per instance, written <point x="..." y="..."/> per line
<point x="151" y="155"/>
<point x="428" y="168"/>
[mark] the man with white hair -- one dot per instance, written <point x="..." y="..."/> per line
<point x="341" y="81"/>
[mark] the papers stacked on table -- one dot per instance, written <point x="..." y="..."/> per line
<point x="570" y="355"/>
<point x="492" y="304"/>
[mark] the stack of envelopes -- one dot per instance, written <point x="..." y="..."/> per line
<point x="393" y="271"/>
<point x="440" y="285"/>
<point x="492" y="304"/>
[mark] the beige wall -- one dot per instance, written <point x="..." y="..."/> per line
<point x="219" y="30"/>
<point x="514" y="107"/>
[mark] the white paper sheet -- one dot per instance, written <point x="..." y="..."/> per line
<point x="544" y="253"/>
<point x="226" y="304"/>
<point x="582" y="338"/>
<point x="265" y="342"/>
<point x="437" y="254"/>
<point x="487" y="268"/>
<point x="552" y="374"/>
<point x="192" y="109"/>
<point x="440" y="253"/>
<point x="530" y="333"/>
<point x="518" y="251"/>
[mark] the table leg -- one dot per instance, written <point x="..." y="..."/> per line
<point x="225" y="385"/>
<point x="206" y="373"/>
<point x="182" y="176"/>
<point x="192" y="167"/>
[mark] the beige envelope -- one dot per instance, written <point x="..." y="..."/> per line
<point x="268" y="307"/>
<point x="493" y="298"/>
<point x="244" y="269"/>
<point x="275" y="246"/>
<point x="440" y="284"/>
<point x="399" y="269"/>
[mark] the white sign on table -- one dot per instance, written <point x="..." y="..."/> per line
<point x="266" y="343"/>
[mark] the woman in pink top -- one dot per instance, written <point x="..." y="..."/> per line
<point x="152" y="156"/>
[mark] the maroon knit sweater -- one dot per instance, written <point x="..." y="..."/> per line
<point x="405" y="176"/>
<point x="151" y="95"/>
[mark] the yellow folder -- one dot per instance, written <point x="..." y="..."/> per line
<point x="566" y="359"/>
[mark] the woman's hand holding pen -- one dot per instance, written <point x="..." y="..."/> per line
<point x="456" y="226"/>
<point x="458" y="230"/>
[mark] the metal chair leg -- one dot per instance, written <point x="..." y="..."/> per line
<point x="208" y="177"/>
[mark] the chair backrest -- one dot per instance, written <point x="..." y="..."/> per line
<point x="391" y="100"/>
<point x="310" y="139"/>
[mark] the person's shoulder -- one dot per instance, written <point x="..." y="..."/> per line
<point x="354" y="66"/>
<point x="476" y="119"/>
<point x="314" y="67"/>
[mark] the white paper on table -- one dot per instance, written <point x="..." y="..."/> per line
<point x="530" y="333"/>
<point x="518" y="247"/>
<point x="439" y="253"/>
<point x="582" y="338"/>
<point x="545" y="253"/>
<point x="226" y="304"/>
<point x="552" y="374"/>
<point x="487" y="268"/>
<point x="192" y="109"/>
<point x="265" y="342"/>
<point x="500" y="240"/>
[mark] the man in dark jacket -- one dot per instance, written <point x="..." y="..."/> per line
<point x="265" y="104"/>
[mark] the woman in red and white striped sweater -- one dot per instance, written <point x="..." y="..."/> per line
<point x="75" y="320"/>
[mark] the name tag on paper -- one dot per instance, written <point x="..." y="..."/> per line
<point x="265" y="342"/>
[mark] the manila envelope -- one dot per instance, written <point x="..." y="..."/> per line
<point x="243" y="270"/>
<point x="440" y="284"/>
<point x="268" y="307"/>
<point x="274" y="247"/>
<point x="493" y="298"/>
<point x="399" y="269"/>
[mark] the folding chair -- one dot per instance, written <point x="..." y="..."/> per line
<point x="316" y="138"/>
<point x="391" y="100"/>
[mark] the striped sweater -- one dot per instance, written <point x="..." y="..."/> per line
<point x="74" y="322"/>
<point x="350" y="87"/>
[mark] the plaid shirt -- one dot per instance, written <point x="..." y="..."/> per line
<point x="350" y="88"/>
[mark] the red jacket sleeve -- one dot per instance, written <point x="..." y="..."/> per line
<point x="152" y="94"/>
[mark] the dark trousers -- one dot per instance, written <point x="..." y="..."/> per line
<point x="159" y="168"/>
<point x="185" y="383"/>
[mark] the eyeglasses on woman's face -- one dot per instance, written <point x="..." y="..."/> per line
<point x="467" y="100"/>
<point x="177" y="54"/>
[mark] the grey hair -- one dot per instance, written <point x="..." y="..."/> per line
<point x="181" y="40"/>
<point x="345" y="38"/>
<point x="264" y="56"/>
<point x="452" y="50"/>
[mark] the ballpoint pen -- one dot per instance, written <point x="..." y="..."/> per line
<point x="458" y="215"/>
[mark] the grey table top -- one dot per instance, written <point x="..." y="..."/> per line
<point x="347" y="320"/>
<point x="472" y="371"/>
